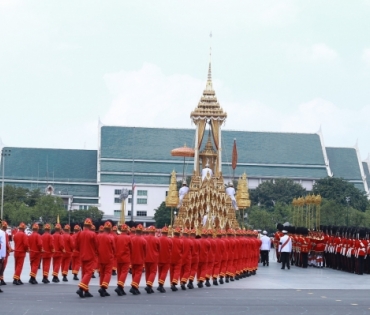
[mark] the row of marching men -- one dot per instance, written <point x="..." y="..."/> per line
<point x="333" y="247"/>
<point x="214" y="256"/>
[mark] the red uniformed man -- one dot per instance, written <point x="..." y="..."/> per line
<point x="35" y="243"/>
<point x="21" y="247"/>
<point x="194" y="258"/>
<point x="164" y="258"/>
<point x="106" y="254"/>
<point x="59" y="251"/>
<point x="220" y="249"/>
<point x="224" y="258"/>
<point x="67" y="255"/>
<point x="204" y="249"/>
<point x="230" y="263"/>
<point x="86" y="244"/>
<point x="151" y="258"/>
<point x="187" y="254"/>
<point x="123" y="255"/>
<point x="4" y="227"/>
<point x="48" y="247"/>
<point x="76" y="260"/>
<point x="211" y="257"/>
<point x="137" y="259"/>
<point x="114" y="265"/>
<point x="176" y="258"/>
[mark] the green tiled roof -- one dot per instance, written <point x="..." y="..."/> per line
<point x="52" y="165"/>
<point x="367" y="173"/>
<point x="344" y="163"/>
<point x="253" y="147"/>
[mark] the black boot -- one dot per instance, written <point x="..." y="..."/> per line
<point x="133" y="291"/>
<point x="75" y="278"/>
<point x="237" y="277"/>
<point x="114" y="273"/>
<point x="102" y="292"/>
<point x="231" y="278"/>
<point x="173" y="288"/>
<point x="147" y="289"/>
<point x="1" y="291"/>
<point x="15" y="282"/>
<point x="207" y="283"/>
<point x="65" y="279"/>
<point x="183" y="286"/>
<point x="20" y="282"/>
<point x="221" y="281"/>
<point x="227" y="279"/>
<point x="88" y="294"/>
<point x="93" y="276"/>
<point x="3" y="282"/>
<point x="190" y="284"/>
<point x="45" y="280"/>
<point x="161" y="288"/>
<point x="55" y="279"/>
<point x="200" y="284"/>
<point x="118" y="290"/>
<point x="215" y="282"/>
<point x="80" y="293"/>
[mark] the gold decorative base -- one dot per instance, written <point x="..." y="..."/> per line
<point x="206" y="198"/>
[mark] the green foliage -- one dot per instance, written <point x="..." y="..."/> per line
<point x="337" y="189"/>
<point x="162" y="215"/>
<point x="49" y="207"/>
<point x="79" y="216"/>
<point x="281" y="190"/>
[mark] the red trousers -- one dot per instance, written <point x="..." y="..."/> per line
<point x="5" y="262"/>
<point x="162" y="272"/>
<point x="87" y="271"/>
<point x="46" y="266"/>
<point x="185" y="271"/>
<point x="150" y="272"/>
<point x="193" y="269"/>
<point x="35" y="259"/>
<point x="57" y="262"/>
<point x="216" y="269"/>
<point x="223" y="268"/>
<point x="105" y="274"/>
<point x="209" y="269"/>
<point x="122" y="271"/>
<point x="114" y="265"/>
<point x="76" y="264"/>
<point x="202" y="271"/>
<point x="19" y="260"/>
<point x="66" y="260"/>
<point x="230" y="268"/>
<point x="137" y="271"/>
<point x="175" y="272"/>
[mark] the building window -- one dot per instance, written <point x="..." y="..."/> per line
<point x="142" y="201"/>
<point x="130" y="192"/>
<point x="166" y="193"/>
<point x="83" y="207"/>
<point x="129" y="200"/>
<point x="117" y="200"/>
<point x="129" y="213"/>
<point x="117" y="191"/>
<point x="117" y="213"/>
<point x="141" y="213"/>
<point x="142" y="193"/>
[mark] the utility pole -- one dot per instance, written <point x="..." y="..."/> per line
<point x="4" y="153"/>
<point x="348" y="199"/>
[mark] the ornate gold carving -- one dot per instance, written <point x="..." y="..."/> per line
<point x="172" y="199"/>
<point x="242" y="194"/>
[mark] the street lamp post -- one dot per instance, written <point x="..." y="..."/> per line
<point x="4" y="153"/>
<point x="348" y="199"/>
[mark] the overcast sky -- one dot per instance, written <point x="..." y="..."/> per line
<point x="277" y="66"/>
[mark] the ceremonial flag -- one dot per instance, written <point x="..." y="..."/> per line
<point x="58" y="220"/>
<point x="133" y="185"/>
<point x="234" y="158"/>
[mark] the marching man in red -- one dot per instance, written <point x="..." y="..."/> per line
<point x="20" y="248"/>
<point x="68" y="245"/>
<point x="106" y="254"/>
<point x="86" y="244"/>
<point x="186" y="258"/>
<point x="123" y="255"/>
<point x="194" y="258"/>
<point x="176" y="258"/>
<point x="76" y="261"/>
<point x="205" y="247"/>
<point x="164" y="259"/>
<point x="59" y="251"/>
<point x="48" y="247"/>
<point x="35" y="243"/>
<point x="151" y="259"/>
<point x="137" y="259"/>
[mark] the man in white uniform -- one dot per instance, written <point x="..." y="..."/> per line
<point x="230" y="191"/>
<point x="285" y="248"/>
<point x="205" y="171"/>
<point x="182" y="192"/>
<point x="265" y="248"/>
<point x="2" y="250"/>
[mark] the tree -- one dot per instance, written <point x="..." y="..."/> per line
<point x="79" y="216"/>
<point x="337" y="189"/>
<point x="49" y="207"/>
<point x="162" y="215"/>
<point x="281" y="190"/>
<point x="17" y="212"/>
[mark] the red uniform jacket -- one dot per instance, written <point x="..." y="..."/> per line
<point x="165" y="250"/>
<point x="68" y="243"/>
<point x="75" y="253"/>
<point x="225" y="252"/>
<point x="87" y="245"/>
<point x="35" y="243"/>
<point x="220" y="248"/>
<point x="196" y="250"/>
<point x="205" y="247"/>
<point x="58" y="244"/>
<point x="106" y="248"/>
<point x="177" y="250"/>
<point x="152" y="249"/>
<point x="212" y="251"/>
<point x="123" y="248"/>
<point x="20" y="244"/>
<point x="232" y="248"/>
<point x="47" y="245"/>
<point x="188" y="250"/>
<point x="138" y="250"/>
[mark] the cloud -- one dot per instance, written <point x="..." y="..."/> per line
<point x="366" y="56"/>
<point x="315" y="53"/>
<point x="148" y="97"/>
